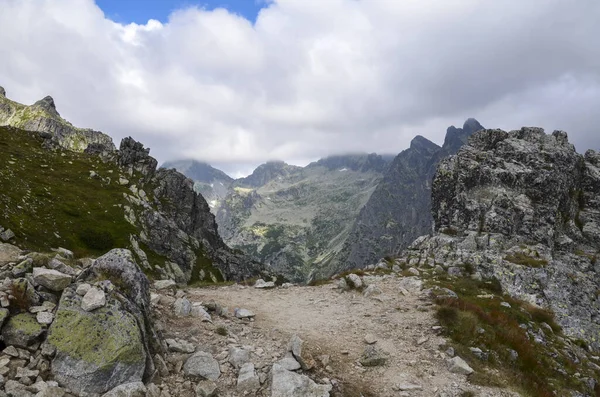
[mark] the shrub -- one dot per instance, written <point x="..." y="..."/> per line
<point x="21" y="301"/>
<point x="222" y="331"/>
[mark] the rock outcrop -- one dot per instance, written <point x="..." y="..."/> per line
<point x="43" y="117"/>
<point x="211" y="183"/>
<point x="398" y="211"/>
<point x="178" y="224"/>
<point x="522" y="208"/>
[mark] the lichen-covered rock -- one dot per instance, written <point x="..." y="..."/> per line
<point x="113" y="344"/>
<point x="95" y="351"/>
<point x="22" y="330"/>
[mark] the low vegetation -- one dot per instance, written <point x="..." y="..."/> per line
<point x="526" y="260"/>
<point x="522" y="346"/>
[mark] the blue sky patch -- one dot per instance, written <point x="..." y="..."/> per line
<point x="140" y="11"/>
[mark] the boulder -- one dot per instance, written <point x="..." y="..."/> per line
<point x="247" y="379"/>
<point x="134" y="389"/>
<point x="95" y="351"/>
<point x="180" y="346"/>
<point x="165" y="285"/>
<point x="93" y="299"/>
<point x="202" y="365"/>
<point x="182" y="307"/>
<point x="304" y="358"/>
<point x="7" y="235"/>
<point x="22" y="330"/>
<point x="290" y="384"/>
<point x="99" y="350"/>
<point x="206" y="388"/>
<point x="238" y="357"/>
<point x="457" y="365"/>
<point x="289" y="362"/>
<point x="262" y="284"/>
<point x="9" y="253"/>
<point x="51" y="279"/>
<point x="354" y="280"/>
<point x="243" y="313"/>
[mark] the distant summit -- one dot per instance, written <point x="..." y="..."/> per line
<point x="399" y="210"/>
<point x="356" y="162"/>
<point x="43" y="117"/>
<point x="267" y="172"/>
<point x="198" y="171"/>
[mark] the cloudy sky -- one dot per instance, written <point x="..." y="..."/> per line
<point x="300" y="79"/>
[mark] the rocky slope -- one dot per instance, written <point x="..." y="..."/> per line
<point x="522" y="208"/>
<point x="93" y="201"/>
<point x="398" y="211"/>
<point x="43" y="117"/>
<point x="211" y="183"/>
<point x="295" y="218"/>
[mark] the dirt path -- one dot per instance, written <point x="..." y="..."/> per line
<point x="335" y="324"/>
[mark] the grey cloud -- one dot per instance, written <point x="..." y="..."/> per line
<point x="308" y="79"/>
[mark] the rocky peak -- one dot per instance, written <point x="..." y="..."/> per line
<point x="47" y="104"/>
<point x="523" y="207"/>
<point x="423" y="145"/>
<point x="472" y="125"/>
<point x="362" y="162"/>
<point x="267" y="172"/>
<point x="456" y="137"/>
<point x="2" y="92"/>
<point x="134" y="156"/>
<point x="199" y="171"/>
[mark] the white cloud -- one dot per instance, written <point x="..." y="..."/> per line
<point x="309" y="78"/>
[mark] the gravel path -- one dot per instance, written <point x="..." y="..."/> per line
<point x="334" y="324"/>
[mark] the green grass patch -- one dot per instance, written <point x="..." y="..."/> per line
<point x="525" y="260"/>
<point x="49" y="199"/>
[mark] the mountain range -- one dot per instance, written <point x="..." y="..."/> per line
<point x="335" y="214"/>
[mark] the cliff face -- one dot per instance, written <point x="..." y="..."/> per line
<point x="522" y="207"/>
<point x="178" y="223"/>
<point x="398" y="211"/>
<point x="43" y="117"/>
<point x="211" y="183"/>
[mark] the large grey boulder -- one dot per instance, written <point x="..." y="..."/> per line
<point x="290" y="384"/>
<point x="113" y="344"/>
<point x="98" y="350"/>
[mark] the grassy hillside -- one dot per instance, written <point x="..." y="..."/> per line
<point x="59" y="198"/>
